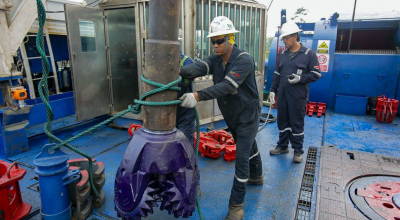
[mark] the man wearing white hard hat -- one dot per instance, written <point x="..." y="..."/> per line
<point x="236" y="92"/>
<point x="297" y="67"/>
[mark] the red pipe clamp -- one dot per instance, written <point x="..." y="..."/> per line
<point x="213" y="143"/>
<point x="11" y="205"/>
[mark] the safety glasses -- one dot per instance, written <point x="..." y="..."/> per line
<point x="219" y="42"/>
<point x="286" y="38"/>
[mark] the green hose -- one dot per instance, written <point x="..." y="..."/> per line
<point x="135" y="109"/>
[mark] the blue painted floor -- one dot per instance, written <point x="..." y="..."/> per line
<point x="276" y="199"/>
<point x="362" y="133"/>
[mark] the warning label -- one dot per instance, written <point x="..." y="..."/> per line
<point x="322" y="51"/>
<point x="323" y="60"/>
<point x="323" y="46"/>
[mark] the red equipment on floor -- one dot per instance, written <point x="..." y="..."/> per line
<point x="11" y="205"/>
<point x="213" y="143"/>
<point x="230" y="152"/>
<point x="379" y="197"/>
<point x="208" y="146"/>
<point x="133" y="128"/>
<point x="386" y="109"/>
<point x="313" y="107"/>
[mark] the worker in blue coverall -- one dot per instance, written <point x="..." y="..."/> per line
<point x="236" y="92"/>
<point x="185" y="116"/>
<point x="297" y="67"/>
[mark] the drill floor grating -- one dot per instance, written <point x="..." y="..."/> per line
<point x="304" y="203"/>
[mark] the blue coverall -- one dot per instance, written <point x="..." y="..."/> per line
<point x="235" y="89"/>
<point x="293" y="98"/>
<point x="185" y="116"/>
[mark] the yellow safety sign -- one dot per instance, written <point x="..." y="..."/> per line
<point x="323" y="45"/>
<point x="322" y="51"/>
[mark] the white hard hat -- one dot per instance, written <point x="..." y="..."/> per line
<point x="289" y="28"/>
<point x="221" y="25"/>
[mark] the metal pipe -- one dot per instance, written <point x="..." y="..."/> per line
<point x="223" y="10"/>
<point x="53" y="63"/>
<point x="245" y="29"/>
<point x="216" y="9"/>
<point x="352" y="23"/>
<point x="277" y="48"/>
<point x="240" y="26"/>
<point x="108" y="56"/>
<point x="209" y="22"/>
<point x="229" y="11"/>
<point x="183" y="21"/>
<point x="28" y="72"/>
<point x="261" y="43"/>
<point x="264" y="34"/>
<point x="162" y="62"/>
<point x="250" y="43"/>
<point x="234" y="13"/>
<point x="144" y="14"/>
<point x="202" y="29"/>
<point x="139" y="46"/>
<point x="255" y="32"/>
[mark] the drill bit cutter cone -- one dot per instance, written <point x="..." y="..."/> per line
<point x="159" y="165"/>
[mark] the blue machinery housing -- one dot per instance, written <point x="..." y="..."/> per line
<point x="370" y="68"/>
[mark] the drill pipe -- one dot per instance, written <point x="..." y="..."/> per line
<point x="162" y="62"/>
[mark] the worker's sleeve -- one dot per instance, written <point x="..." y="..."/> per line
<point x="188" y="61"/>
<point x="276" y="78"/>
<point x="314" y="71"/>
<point x="238" y="74"/>
<point x="197" y="69"/>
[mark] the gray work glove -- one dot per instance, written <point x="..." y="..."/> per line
<point x="294" y="78"/>
<point x="272" y="97"/>
<point x="188" y="100"/>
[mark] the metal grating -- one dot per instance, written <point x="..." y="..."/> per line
<point x="307" y="184"/>
<point x="368" y="51"/>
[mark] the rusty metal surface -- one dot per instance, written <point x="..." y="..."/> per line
<point x="162" y="62"/>
<point x="338" y="168"/>
<point x="379" y="197"/>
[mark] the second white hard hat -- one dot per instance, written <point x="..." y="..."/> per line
<point x="289" y="28"/>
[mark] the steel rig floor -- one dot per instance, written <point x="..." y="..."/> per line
<point x="278" y="198"/>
